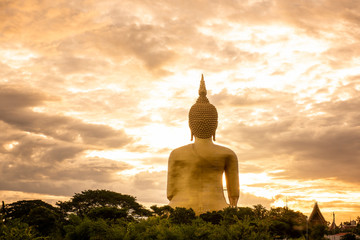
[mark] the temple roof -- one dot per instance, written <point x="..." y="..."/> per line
<point x="316" y="216"/>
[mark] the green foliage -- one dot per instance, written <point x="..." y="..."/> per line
<point x="21" y="209"/>
<point x="15" y="230"/>
<point x="260" y="212"/>
<point x="84" y="202"/>
<point x="317" y="232"/>
<point x="102" y="214"/>
<point x="3" y="211"/>
<point x="182" y="215"/>
<point x="349" y="236"/>
<point x="87" y="229"/>
<point x="250" y="230"/>
<point x="163" y="211"/>
<point x="214" y="217"/>
<point x="44" y="220"/>
<point x="286" y="223"/>
<point x="233" y="215"/>
<point x="108" y="213"/>
<point x="41" y="216"/>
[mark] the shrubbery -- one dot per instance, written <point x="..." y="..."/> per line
<point x="102" y="214"/>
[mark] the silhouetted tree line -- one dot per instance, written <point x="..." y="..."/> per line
<point x="103" y="214"/>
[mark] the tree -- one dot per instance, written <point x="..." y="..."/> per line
<point x="108" y="213"/>
<point x="232" y="215"/>
<point x="3" y="208"/>
<point x="84" y="202"/>
<point x="21" y="209"/>
<point x="349" y="236"/>
<point x="214" y="217"/>
<point x="43" y="217"/>
<point x="245" y="213"/>
<point x="15" y="230"/>
<point x="317" y="232"/>
<point x="286" y="223"/>
<point x="2" y="213"/>
<point x="163" y="211"/>
<point x="86" y="229"/>
<point x="259" y="211"/>
<point x="182" y="215"/>
<point x="44" y="220"/>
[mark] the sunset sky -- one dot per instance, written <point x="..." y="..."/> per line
<point x="96" y="94"/>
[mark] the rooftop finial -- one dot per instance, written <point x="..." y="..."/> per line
<point x="202" y="89"/>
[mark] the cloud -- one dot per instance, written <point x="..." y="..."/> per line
<point x="341" y="56"/>
<point x="249" y="167"/>
<point x="49" y="22"/>
<point x="67" y="64"/>
<point x="40" y="165"/>
<point x="317" y="145"/>
<point x="17" y="97"/>
<point x="45" y="153"/>
<point x="16" y="112"/>
<point x="147" y="186"/>
<point x="75" y="75"/>
<point x="248" y="200"/>
<point x="248" y="98"/>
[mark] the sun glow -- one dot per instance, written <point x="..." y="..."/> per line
<point x="278" y="203"/>
<point x="160" y="136"/>
<point x="16" y="58"/>
<point x="11" y="145"/>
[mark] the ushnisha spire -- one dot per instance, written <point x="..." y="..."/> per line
<point x="202" y="92"/>
<point x="202" y="88"/>
<point x="203" y="115"/>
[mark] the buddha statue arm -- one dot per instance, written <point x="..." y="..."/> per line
<point x="170" y="178"/>
<point x="232" y="179"/>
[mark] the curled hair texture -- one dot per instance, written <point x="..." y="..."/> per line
<point x="203" y="120"/>
<point x="203" y="117"/>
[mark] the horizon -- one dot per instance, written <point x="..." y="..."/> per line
<point x="95" y="95"/>
<point x="148" y="205"/>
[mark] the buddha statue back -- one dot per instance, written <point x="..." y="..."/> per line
<point x="195" y="170"/>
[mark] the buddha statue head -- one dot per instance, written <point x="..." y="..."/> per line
<point x="203" y="117"/>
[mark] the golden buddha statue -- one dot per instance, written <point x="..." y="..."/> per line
<point x="195" y="170"/>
